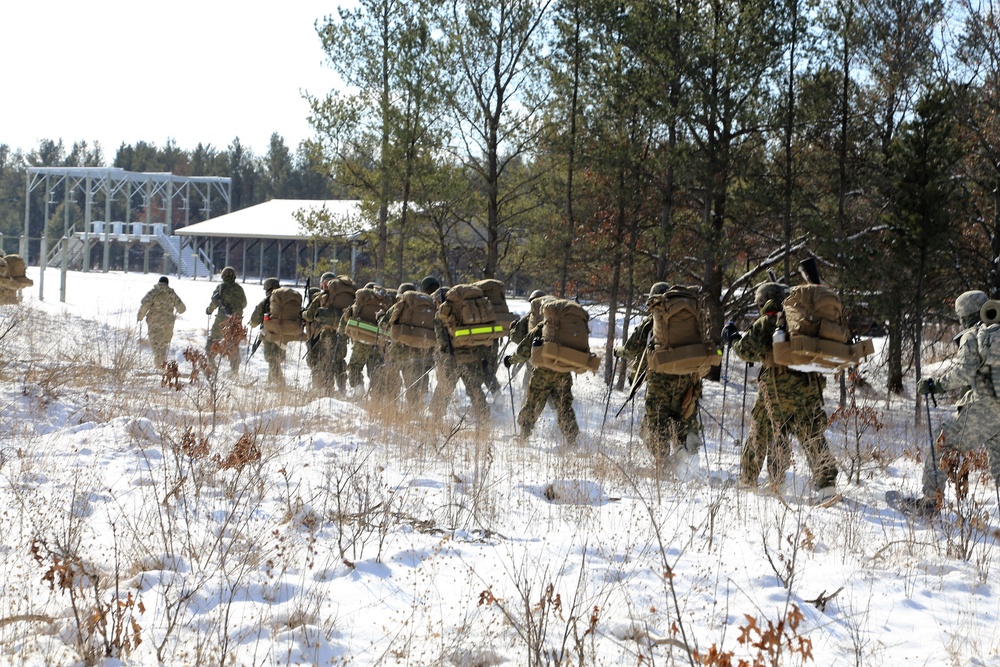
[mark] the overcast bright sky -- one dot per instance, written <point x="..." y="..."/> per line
<point x="138" y="70"/>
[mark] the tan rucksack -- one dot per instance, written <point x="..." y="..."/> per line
<point x="283" y="321"/>
<point x="493" y="289"/>
<point x="362" y="323"/>
<point x="681" y="345"/>
<point x="469" y="318"/>
<point x="341" y="292"/>
<point x="412" y="320"/>
<point x="13" y="272"/>
<point x="565" y="338"/>
<point x="817" y="332"/>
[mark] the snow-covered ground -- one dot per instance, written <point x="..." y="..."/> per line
<point x="138" y="523"/>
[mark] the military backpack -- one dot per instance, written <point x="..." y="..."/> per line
<point x="412" y="320"/>
<point x="493" y="289"/>
<point x="680" y="343"/>
<point x="14" y="272"/>
<point x="340" y="293"/>
<point x="468" y="315"/>
<point x="565" y="339"/>
<point x="362" y="323"/>
<point x="283" y="320"/>
<point x="817" y="334"/>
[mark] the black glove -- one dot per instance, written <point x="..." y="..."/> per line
<point x="506" y="361"/>
<point x="730" y="333"/>
<point x="926" y="386"/>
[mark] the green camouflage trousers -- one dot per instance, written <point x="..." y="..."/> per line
<point x="363" y="356"/>
<point x="274" y="355"/>
<point x="788" y="404"/>
<point x="410" y="364"/>
<point x="671" y="419"/>
<point x="327" y="359"/>
<point x="546" y="386"/>
<point x="976" y="424"/>
<point x="467" y="366"/>
<point x="161" y="332"/>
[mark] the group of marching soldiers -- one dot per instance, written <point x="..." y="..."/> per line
<point x="789" y="402"/>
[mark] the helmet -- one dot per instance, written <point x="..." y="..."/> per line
<point x="968" y="304"/>
<point x="370" y="285"/>
<point x="325" y="278"/>
<point x="429" y="285"/>
<point x="658" y="288"/>
<point x="271" y="284"/>
<point x="229" y="274"/>
<point x="164" y="280"/>
<point x="770" y="292"/>
<point x="536" y="294"/>
<point x="406" y="287"/>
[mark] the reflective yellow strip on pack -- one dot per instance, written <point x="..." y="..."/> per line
<point x="478" y="331"/>
<point x="364" y="326"/>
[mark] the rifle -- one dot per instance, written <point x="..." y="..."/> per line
<point x="640" y="377"/>
<point x="256" y="343"/>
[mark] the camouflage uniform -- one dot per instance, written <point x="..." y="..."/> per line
<point x="412" y="363"/>
<point x="160" y="308"/>
<point x="327" y="352"/>
<point x="545" y="385"/>
<point x="363" y="356"/>
<point x="467" y="364"/>
<point x="789" y="403"/>
<point x="228" y="300"/>
<point x="671" y="415"/>
<point x="978" y="420"/>
<point x="274" y="354"/>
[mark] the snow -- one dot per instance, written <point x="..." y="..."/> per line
<point x="367" y="535"/>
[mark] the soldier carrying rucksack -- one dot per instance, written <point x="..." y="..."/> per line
<point x="410" y="323"/>
<point x="789" y="403"/>
<point x="327" y="346"/>
<point x="466" y="328"/>
<point x="671" y="350"/>
<point x="557" y="346"/>
<point x="360" y="323"/>
<point x="280" y="316"/>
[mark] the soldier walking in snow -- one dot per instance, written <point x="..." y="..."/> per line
<point x="976" y="365"/>
<point x="228" y="300"/>
<point x="544" y="386"/>
<point x="670" y="426"/>
<point x="160" y="307"/>
<point x="789" y="403"/>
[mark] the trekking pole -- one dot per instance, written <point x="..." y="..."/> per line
<point x="743" y="409"/>
<point x="639" y="379"/>
<point x="607" y="401"/>
<point x="725" y="386"/>
<point x="510" y="387"/>
<point x="930" y="432"/>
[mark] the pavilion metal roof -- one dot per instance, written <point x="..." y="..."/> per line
<point x="276" y="219"/>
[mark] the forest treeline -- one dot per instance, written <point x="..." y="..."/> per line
<point x="594" y="147"/>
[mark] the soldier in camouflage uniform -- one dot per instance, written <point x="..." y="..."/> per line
<point x="466" y="364"/>
<point x="228" y="300"/>
<point x="160" y="307"/>
<point x="363" y="355"/>
<point x="671" y="416"/>
<point x="274" y="354"/>
<point x="977" y="423"/>
<point x="789" y="403"/>
<point x="327" y="352"/>
<point x="413" y="364"/>
<point x="544" y="386"/>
